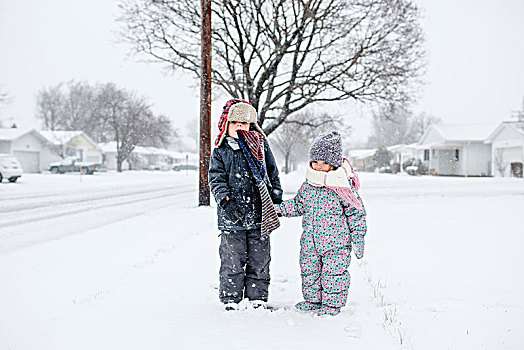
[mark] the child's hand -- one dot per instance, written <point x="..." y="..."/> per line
<point x="277" y="210"/>
<point x="357" y="245"/>
<point x="232" y="210"/>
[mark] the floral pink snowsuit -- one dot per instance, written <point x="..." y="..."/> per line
<point x="331" y="227"/>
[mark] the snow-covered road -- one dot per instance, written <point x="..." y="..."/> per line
<point x="128" y="261"/>
<point x="40" y="208"/>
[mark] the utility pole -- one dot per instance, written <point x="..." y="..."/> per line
<point x="205" y="103"/>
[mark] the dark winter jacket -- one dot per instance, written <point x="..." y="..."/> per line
<point x="230" y="175"/>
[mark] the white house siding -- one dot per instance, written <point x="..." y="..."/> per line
<point x="48" y="156"/>
<point x="509" y="155"/>
<point x="509" y="142"/>
<point x="95" y="157"/>
<point x="27" y="150"/>
<point x="29" y="160"/>
<point x="459" y="149"/>
<point x="431" y="137"/>
<point x="110" y="162"/>
<point x="86" y="154"/>
<point x="476" y="159"/>
<point x="444" y="163"/>
<point x="5" y="147"/>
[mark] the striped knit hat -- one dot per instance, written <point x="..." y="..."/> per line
<point x="236" y="110"/>
<point x="327" y="147"/>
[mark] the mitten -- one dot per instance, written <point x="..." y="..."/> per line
<point x="357" y="245"/>
<point x="276" y="196"/>
<point x="277" y="209"/>
<point x="232" y="209"/>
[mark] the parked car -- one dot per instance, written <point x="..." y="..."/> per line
<point x="415" y="167"/>
<point x="71" y="164"/>
<point x="10" y="168"/>
<point x="179" y="167"/>
<point x="161" y="166"/>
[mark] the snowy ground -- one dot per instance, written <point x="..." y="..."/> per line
<point x="127" y="261"/>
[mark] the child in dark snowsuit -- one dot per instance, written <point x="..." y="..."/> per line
<point x="243" y="178"/>
<point x="334" y="223"/>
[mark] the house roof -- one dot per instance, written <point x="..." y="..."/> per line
<point x="13" y="133"/>
<point x="110" y="147"/>
<point x="395" y="148"/>
<point x="361" y="153"/>
<point x="461" y="132"/>
<point x="465" y="132"/>
<point x="59" y="137"/>
<point x="517" y="126"/>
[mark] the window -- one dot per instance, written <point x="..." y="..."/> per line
<point x="426" y="154"/>
<point x="456" y="155"/>
<point x="70" y="152"/>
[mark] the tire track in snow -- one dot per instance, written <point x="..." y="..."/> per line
<point x="64" y="208"/>
<point x="52" y="199"/>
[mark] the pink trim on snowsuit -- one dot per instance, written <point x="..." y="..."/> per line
<point x="331" y="226"/>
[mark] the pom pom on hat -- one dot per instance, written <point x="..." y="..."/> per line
<point x="327" y="147"/>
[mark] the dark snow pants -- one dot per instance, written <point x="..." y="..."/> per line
<point x="244" y="269"/>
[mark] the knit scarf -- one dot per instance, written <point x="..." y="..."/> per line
<point x="251" y="143"/>
<point x="337" y="180"/>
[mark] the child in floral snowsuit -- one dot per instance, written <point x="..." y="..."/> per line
<point x="334" y="224"/>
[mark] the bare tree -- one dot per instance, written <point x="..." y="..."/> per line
<point x="420" y="123"/>
<point x="131" y="121"/>
<point x="158" y="131"/>
<point x="396" y="125"/>
<point x="391" y="126"/>
<point x="105" y="112"/>
<point x="500" y="164"/>
<point x="49" y="103"/>
<point x="5" y="98"/>
<point x="285" y="55"/>
<point x="192" y="132"/>
<point x="78" y="106"/>
<point x="293" y="137"/>
<point x="69" y="106"/>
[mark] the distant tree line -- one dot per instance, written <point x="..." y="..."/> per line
<point x="105" y="112"/>
<point x="293" y="138"/>
<point x="5" y="99"/>
<point x="395" y="125"/>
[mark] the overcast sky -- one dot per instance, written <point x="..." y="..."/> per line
<point x="475" y="48"/>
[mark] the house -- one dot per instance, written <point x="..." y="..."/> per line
<point x="154" y="158"/>
<point x="109" y="151"/>
<point x="142" y="158"/>
<point x="507" y="149"/>
<point x="361" y="159"/>
<point x="458" y="149"/>
<point x="189" y="158"/>
<point x="74" y="144"/>
<point x="403" y="153"/>
<point x="33" y="151"/>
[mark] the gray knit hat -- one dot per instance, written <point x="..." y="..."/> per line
<point x="328" y="148"/>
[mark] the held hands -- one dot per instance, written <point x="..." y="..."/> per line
<point x="357" y="244"/>
<point x="232" y="209"/>
<point x="277" y="209"/>
<point x="276" y="196"/>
